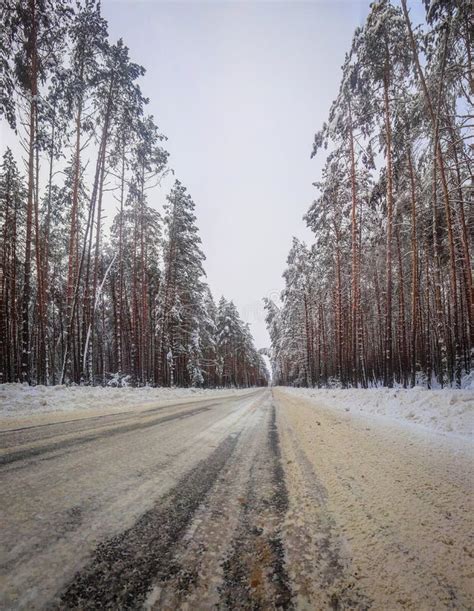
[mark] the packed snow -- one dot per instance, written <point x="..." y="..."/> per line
<point x="445" y="411"/>
<point x="21" y="400"/>
<point x="389" y="502"/>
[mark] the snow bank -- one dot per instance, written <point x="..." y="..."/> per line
<point x="446" y="411"/>
<point x="18" y="400"/>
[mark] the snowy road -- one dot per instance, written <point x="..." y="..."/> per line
<point x="251" y="500"/>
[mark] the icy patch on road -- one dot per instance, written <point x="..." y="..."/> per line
<point x="18" y="400"/>
<point x="445" y="411"/>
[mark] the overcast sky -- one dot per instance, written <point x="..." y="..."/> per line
<point x="239" y="88"/>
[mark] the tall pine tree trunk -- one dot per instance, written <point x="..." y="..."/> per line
<point x="33" y="90"/>
<point x="414" y="273"/>
<point x="339" y="322"/>
<point x="74" y="230"/>
<point x="120" y="249"/>
<point x="388" y="364"/>
<point x="354" y="267"/>
<point x="41" y="297"/>
<point x="402" y="334"/>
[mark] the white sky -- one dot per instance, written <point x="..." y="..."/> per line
<point x="239" y="88"/>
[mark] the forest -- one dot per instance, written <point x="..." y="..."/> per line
<point x="82" y="300"/>
<point x="383" y="295"/>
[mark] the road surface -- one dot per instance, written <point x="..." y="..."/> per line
<point x="255" y="500"/>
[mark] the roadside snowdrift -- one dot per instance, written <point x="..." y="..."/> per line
<point x="19" y="400"/>
<point x="445" y="411"/>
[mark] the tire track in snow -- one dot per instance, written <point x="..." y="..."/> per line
<point x="141" y="423"/>
<point x="76" y="423"/>
<point x="124" y="567"/>
<point x="231" y="556"/>
<point x="255" y="576"/>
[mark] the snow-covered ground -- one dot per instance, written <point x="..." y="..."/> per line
<point x="21" y="400"/>
<point x="446" y="411"/>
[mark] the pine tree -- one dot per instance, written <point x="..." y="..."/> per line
<point x="182" y="291"/>
<point x="12" y="225"/>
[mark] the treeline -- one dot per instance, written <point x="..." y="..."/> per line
<point x="384" y="294"/>
<point x="79" y="304"/>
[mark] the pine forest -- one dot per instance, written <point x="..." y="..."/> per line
<point x="384" y="293"/>
<point x="81" y="302"/>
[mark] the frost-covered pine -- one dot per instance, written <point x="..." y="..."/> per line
<point x="12" y="235"/>
<point x="81" y="303"/>
<point x="182" y="292"/>
<point x="389" y="280"/>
